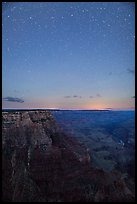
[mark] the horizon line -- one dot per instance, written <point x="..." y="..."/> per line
<point x="110" y="109"/>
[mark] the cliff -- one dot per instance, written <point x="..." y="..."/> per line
<point x="42" y="164"/>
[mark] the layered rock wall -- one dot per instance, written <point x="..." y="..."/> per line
<point x="42" y="164"/>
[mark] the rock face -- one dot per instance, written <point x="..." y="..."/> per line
<point x="42" y="164"/>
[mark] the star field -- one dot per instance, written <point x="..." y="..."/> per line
<point x="53" y="50"/>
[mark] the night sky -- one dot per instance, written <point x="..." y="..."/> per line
<point x="68" y="55"/>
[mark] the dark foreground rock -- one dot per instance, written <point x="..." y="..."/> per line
<point x="42" y="164"/>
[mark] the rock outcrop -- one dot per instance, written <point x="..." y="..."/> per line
<point x="42" y="164"/>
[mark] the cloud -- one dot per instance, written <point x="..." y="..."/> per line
<point x="110" y="73"/>
<point x="77" y="96"/>
<point x="131" y="71"/>
<point x="74" y="96"/>
<point x="67" y="96"/>
<point x="98" y="95"/>
<point x="13" y="99"/>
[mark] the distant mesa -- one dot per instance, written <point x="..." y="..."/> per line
<point x="131" y="71"/>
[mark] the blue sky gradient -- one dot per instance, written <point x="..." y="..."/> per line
<point x="54" y="50"/>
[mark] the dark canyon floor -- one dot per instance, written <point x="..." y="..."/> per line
<point x="43" y="162"/>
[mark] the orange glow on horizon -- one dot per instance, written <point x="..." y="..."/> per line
<point x="104" y="106"/>
<point x="84" y="105"/>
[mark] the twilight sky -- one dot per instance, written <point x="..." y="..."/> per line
<point x="68" y="55"/>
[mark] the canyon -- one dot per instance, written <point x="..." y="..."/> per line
<point x="41" y="163"/>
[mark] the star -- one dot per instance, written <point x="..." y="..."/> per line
<point x="12" y="9"/>
<point x="39" y="26"/>
<point x="76" y="31"/>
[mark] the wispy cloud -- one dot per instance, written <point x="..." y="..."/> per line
<point x="110" y="73"/>
<point x="77" y="96"/>
<point x="133" y="97"/>
<point x="131" y="71"/>
<point x="98" y="95"/>
<point x="13" y="99"/>
<point x="67" y="96"/>
<point x="74" y="96"/>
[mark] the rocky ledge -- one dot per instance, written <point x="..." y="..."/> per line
<point x="42" y="164"/>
